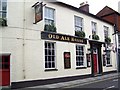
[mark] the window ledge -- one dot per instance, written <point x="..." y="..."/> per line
<point x="81" y="67"/>
<point x="51" y="69"/>
<point x="109" y="66"/>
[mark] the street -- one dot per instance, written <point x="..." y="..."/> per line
<point x="111" y="84"/>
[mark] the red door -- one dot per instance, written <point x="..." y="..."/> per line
<point x="95" y="63"/>
<point x="5" y="70"/>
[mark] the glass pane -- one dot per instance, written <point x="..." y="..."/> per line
<point x="49" y="46"/>
<point x="46" y="65"/>
<point x="45" y="45"/>
<point x="53" y="52"/>
<point x="49" y="58"/>
<point x="49" y="64"/>
<point x="53" y="58"/>
<point x="46" y="53"/>
<point x="46" y="58"/>
<point x="49" y="52"/>
<point x="53" y="64"/>
<point x="52" y="45"/>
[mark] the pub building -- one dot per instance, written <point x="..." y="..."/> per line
<point x="50" y="42"/>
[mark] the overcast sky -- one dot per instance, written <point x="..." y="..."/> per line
<point x="94" y="5"/>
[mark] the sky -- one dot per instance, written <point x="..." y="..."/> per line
<point x="94" y="5"/>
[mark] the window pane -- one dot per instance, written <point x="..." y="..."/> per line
<point x="46" y="58"/>
<point x="46" y="52"/>
<point x="46" y="66"/>
<point x="53" y="64"/>
<point x="49" y="52"/>
<point x="53" y="52"/>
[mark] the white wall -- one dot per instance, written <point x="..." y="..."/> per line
<point x="22" y="38"/>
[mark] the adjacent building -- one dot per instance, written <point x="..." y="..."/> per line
<point x="50" y="42"/>
<point x="112" y="16"/>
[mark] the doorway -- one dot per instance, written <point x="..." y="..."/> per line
<point x="95" y="62"/>
<point x="5" y="70"/>
<point x="96" y="57"/>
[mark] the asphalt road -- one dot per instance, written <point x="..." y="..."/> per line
<point x="111" y="84"/>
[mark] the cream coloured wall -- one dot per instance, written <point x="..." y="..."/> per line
<point x="23" y="39"/>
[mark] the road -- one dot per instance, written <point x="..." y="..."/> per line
<point x="111" y="84"/>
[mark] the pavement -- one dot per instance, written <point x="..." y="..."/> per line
<point x="73" y="83"/>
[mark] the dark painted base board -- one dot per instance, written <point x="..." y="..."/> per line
<point x="15" y="85"/>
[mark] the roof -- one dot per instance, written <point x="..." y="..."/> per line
<point x="80" y="11"/>
<point x="108" y="10"/>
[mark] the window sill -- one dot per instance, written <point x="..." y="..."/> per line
<point x="109" y="66"/>
<point x="51" y="70"/>
<point x="81" y="67"/>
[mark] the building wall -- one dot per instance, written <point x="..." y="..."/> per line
<point x="23" y="40"/>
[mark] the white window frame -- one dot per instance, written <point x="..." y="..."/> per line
<point x="1" y="9"/>
<point x="47" y="68"/>
<point x="108" y="64"/>
<point x="49" y="17"/>
<point x="77" y="66"/>
<point x="106" y="31"/>
<point x="94" y="27"/>
<point x="78" y="21"/>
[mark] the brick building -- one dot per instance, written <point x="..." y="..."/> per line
<point x="112" y="16"/>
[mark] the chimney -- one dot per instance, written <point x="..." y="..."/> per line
<point x="84" y="6"/>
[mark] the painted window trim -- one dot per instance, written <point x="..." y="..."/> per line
<point x="108" y="65"/>
<point x="82" y="66"/>
<point x="92" y="22"/>
<point x="82" y="21"/>
<point x="55" y="68"/>
<point x="47" y="17"/>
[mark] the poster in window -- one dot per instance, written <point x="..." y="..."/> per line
<point x="67" y="63"/>
<point x="88" y="60"/>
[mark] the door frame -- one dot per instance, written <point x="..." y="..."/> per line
<point x="97" y="45"/>
<point x="8" y="53"/>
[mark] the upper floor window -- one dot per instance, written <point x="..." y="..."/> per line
<point x="49" y="16"/>
<point x="49" y="20"/>
<point x="106" y="34"/>
<point x="78" y="23"/>
<point x="94" y="28"/>
<point x="3" y="8"/>
<point x="79" y="56"/>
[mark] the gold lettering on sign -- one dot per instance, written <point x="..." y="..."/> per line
<point x="62" y="38"/>
<point x="57" y="37"/>
<point x="65" y="38"/>
<point x="72" y="39"/>
<point x="50" y="36"/>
